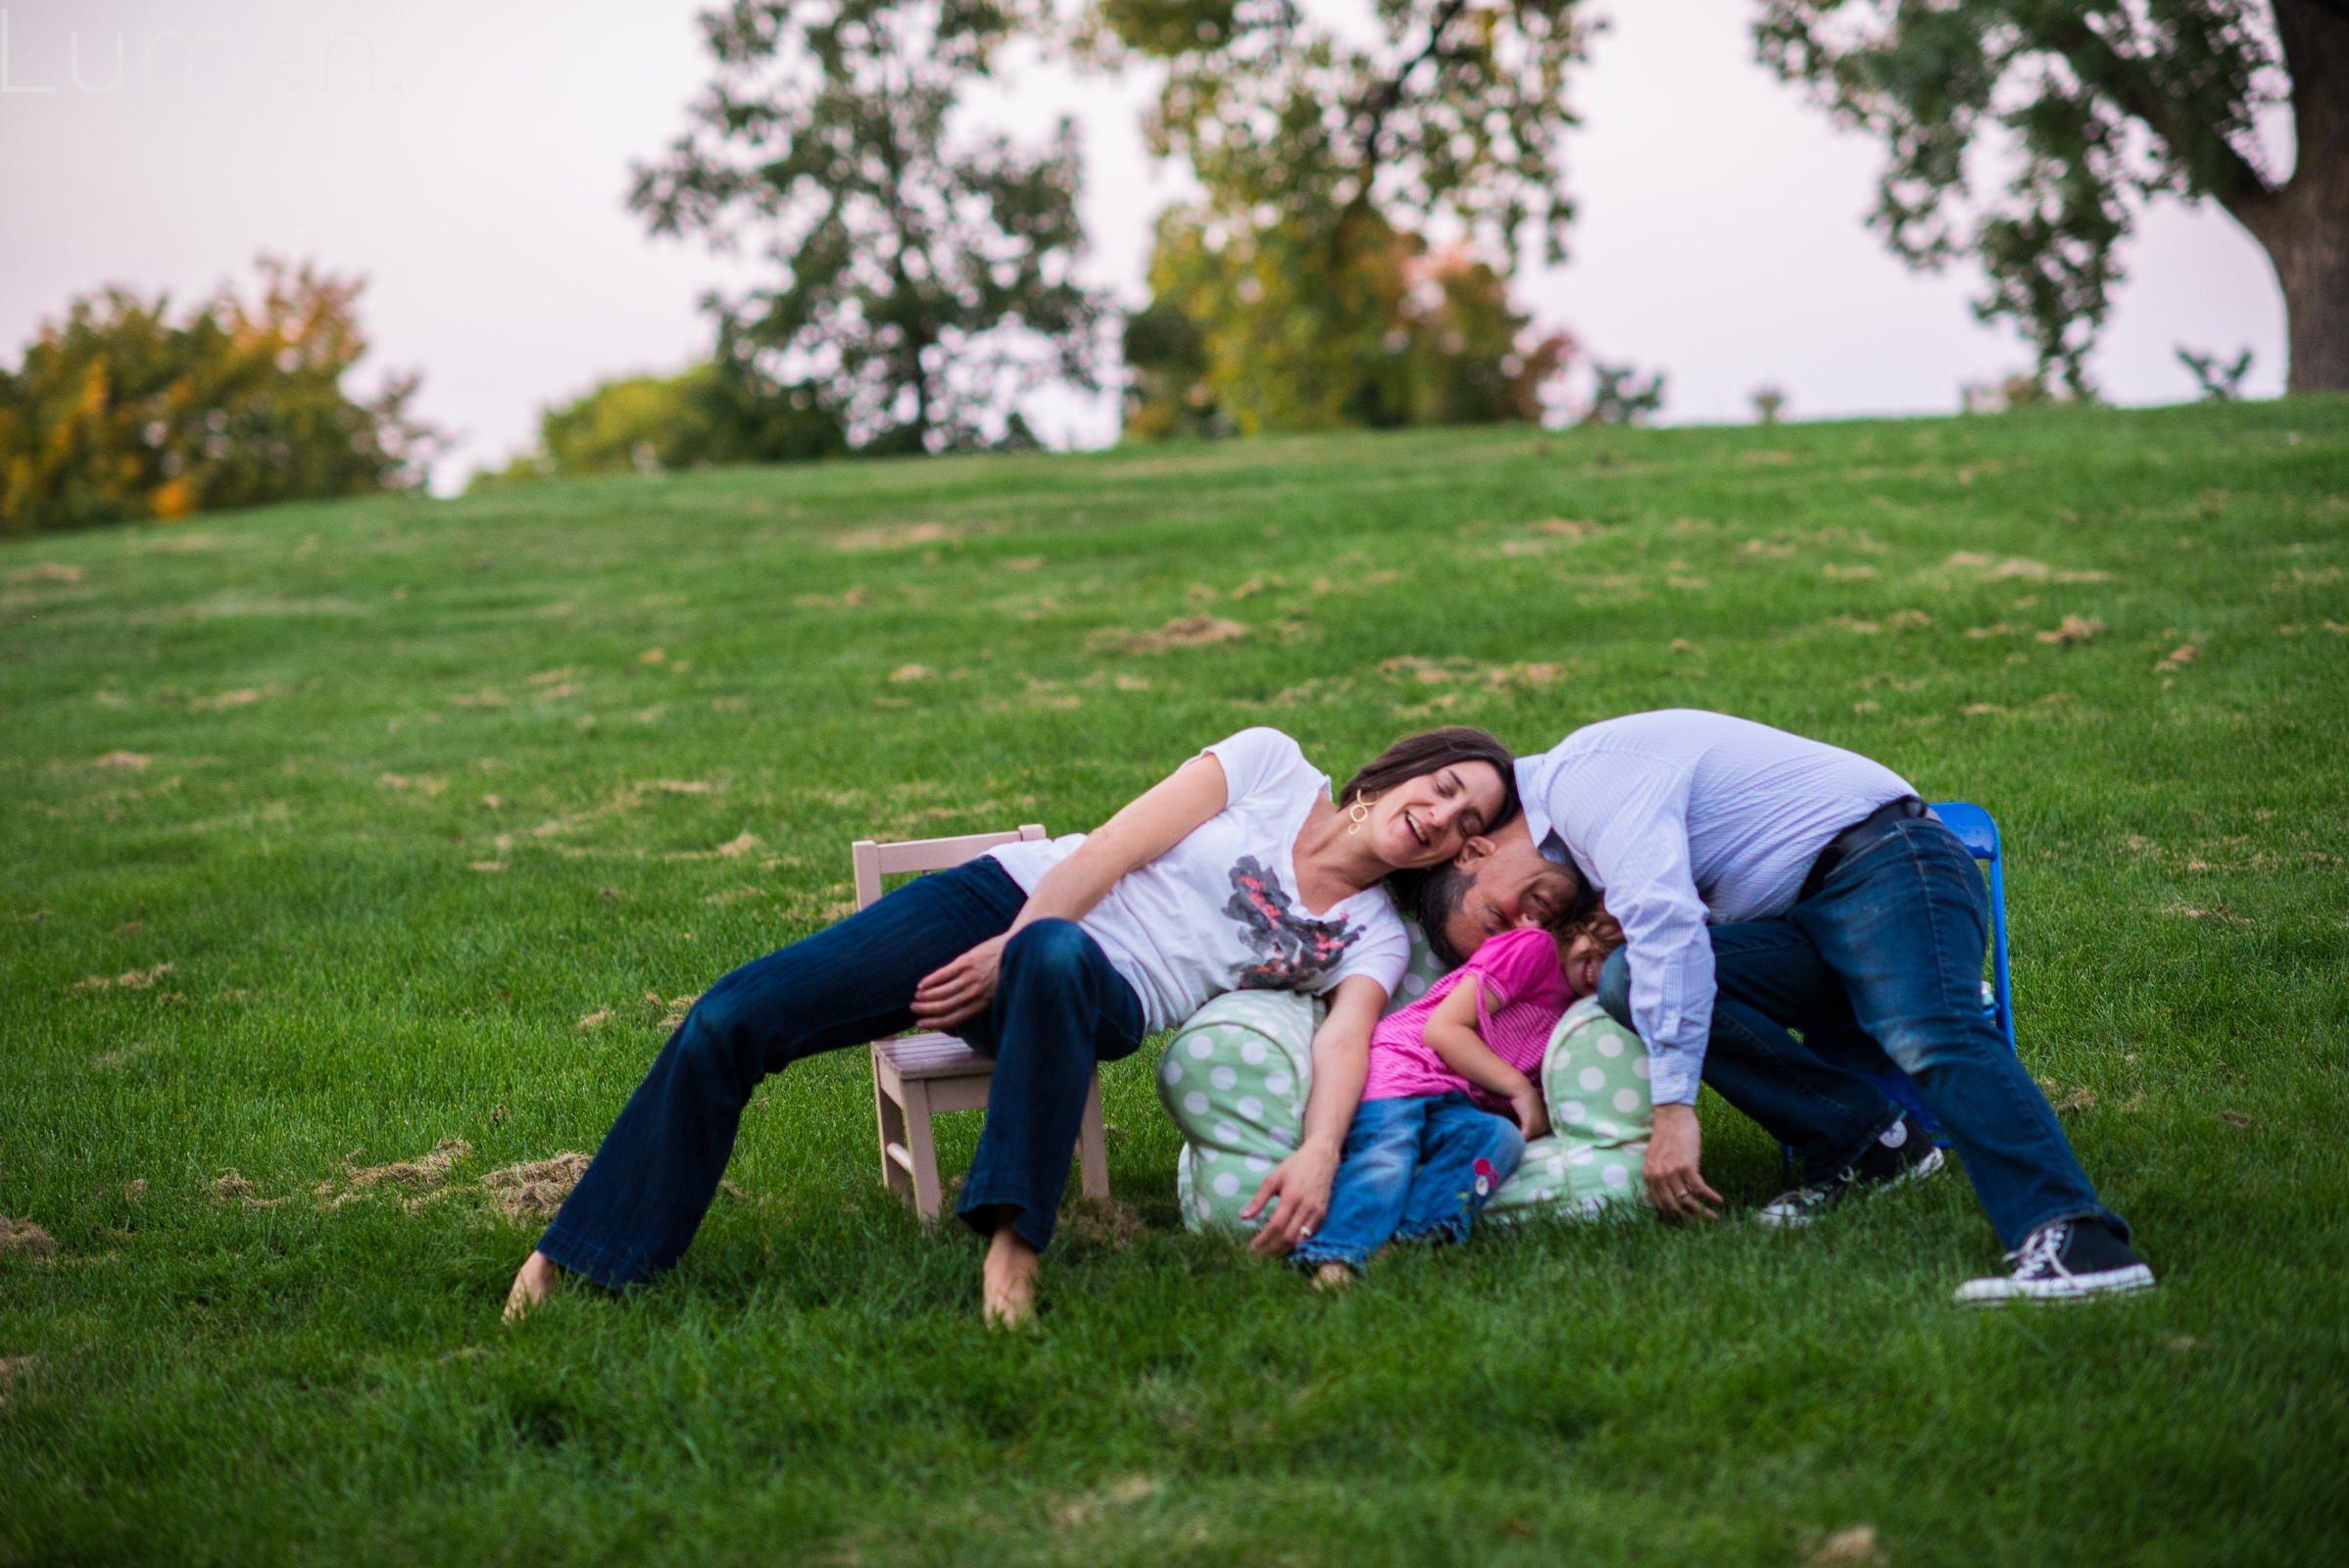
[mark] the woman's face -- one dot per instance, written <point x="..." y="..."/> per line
<point x="1427" y="820"/>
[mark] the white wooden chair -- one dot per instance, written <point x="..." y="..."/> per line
<point x="918" y="1075"/>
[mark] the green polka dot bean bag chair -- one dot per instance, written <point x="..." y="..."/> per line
<point x="1236" y="1075"/>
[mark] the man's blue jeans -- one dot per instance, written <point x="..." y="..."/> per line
<point x="1408" y="1173"/>
<point x="1889" y="950"/>
<point x="1060" y="1008"/>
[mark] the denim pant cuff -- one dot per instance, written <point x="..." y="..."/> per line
<point x="1452" y="1228"/>
<point x="583" y="1257"/>
<point x="981" y="1211"/>
<point x="1314" y="1252"/>
<point x="2094" y="1211"/>
<point x="1847" y="1158"/>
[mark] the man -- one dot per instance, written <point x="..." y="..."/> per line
<point x="1836" y="901"/>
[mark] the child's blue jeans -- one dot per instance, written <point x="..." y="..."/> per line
<point x="1410" y="1171"/>
<point x="1058" y="1009"/>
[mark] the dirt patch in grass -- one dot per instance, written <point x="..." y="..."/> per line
<point x="535" y="1189"/>
<point x="1184" y="631"/>
<point x="1105" y="1223"/>
<point x="24" y="1239"/>
<point x="231" y="1187"/>
<point x="135" y="980"/>
<point x="13" y="1369"/>
<point x="414" y="1175"/>
<point x="1849" y="1548"/>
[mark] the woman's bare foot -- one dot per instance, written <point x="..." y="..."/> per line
<point x="1008" y="1293"/>
<point x="1333" y="1277"/>
<point x="531" y="1282"/>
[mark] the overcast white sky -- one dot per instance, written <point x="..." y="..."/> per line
<point x="470" y="158"/>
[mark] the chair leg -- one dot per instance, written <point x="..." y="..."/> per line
<point x="924" y="1150"/>
<point x="892" y="1120"/>
<point x="2003" y="976"/>
<point x="1092" y="1144"/>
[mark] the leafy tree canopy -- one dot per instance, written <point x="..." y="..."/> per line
<point x="119" y="413"/>
<point x="2105" y="103"/>
<point x="1302" y="289"/>
<point x="1267" y="334"/>
<point x="716" y="413"/>
<point x="926" y="279"/>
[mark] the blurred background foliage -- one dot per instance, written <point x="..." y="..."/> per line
<point x="1302" y="290"/>
<point x="716" y="413"/>
<point x="119" y="413"/>
<point x="1271" y="332"/>
<point x="924" y="279"/>
<point x="1363" y="200"/>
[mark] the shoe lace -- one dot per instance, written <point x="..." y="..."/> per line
<point x="2039" y="1255"/>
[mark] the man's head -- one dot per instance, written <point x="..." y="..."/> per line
<point x="1498" y="883"/>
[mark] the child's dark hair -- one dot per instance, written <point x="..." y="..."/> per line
<point x="1597" y="924"/>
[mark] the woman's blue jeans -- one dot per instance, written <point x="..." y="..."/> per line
<point x="1409" y="1173"/>
<point x="1883" y="961"/>
<point x="1060" y="1008"/>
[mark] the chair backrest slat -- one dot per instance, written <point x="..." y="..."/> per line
<point x="1973" y="826"/>
<point x="873" y="861"/>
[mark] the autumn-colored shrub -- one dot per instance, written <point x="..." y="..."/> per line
<point x="119" y="413"/>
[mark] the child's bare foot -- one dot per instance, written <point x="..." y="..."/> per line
<point x="531" y="1284"/>
<point x="1008" y="1293"/>
<point x="1333" y="1277"/>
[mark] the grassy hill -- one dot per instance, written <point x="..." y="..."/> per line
<point x="334" y="833"/>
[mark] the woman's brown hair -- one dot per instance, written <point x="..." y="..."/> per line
<point x="1415" y="755"/>
<point x="1427" y="751"/>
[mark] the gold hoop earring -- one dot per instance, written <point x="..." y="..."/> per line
<point x="1361" y="813"/>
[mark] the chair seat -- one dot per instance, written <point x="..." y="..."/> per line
<point x="932" y="1055"/>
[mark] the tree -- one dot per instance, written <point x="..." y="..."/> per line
<point x="1324" y="167"/>
<point x="117" y="415"/>
<point x="926" y="286"/>
<point x="2105" y="101"/>
<point x="718" y="412"/>
<point x="1269" y="335"/>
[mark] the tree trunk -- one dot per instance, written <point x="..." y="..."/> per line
<point x="2304" y="227"/>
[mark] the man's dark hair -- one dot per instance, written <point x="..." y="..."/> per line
<point x="1440" y="896"/>
<point x="1416" y="756"/>
<point x="1438" y="899"/>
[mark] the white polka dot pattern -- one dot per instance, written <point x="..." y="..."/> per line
<point x="1238" y="1074"/>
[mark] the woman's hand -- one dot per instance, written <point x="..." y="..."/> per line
<point x="961" y="989"/>
<point x="1302" y="1183"/>
<point x="1533" y="1116"/>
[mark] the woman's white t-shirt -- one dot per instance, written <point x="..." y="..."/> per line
<point x="1217" y="912"/>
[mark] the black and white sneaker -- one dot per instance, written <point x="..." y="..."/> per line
<point x="2065" y="1261"/>
<point x="1902" y="1153"/>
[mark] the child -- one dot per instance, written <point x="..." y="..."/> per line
<point x="1448" y="1105"/>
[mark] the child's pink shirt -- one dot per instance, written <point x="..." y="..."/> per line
<point x="1522" y="968"/>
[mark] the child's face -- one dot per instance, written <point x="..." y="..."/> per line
<point x="1582" y="959"/>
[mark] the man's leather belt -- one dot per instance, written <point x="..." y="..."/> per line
<point x="1857" y="837"/>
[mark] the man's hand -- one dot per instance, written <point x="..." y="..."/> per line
<point x="1676" y="1184"/>
<point x="961" y="989"/>
<point x="1302" y="1183"/>
<point x="1533" y="1116"/>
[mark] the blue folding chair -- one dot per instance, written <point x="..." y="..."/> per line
<point x="1977" y="831"/>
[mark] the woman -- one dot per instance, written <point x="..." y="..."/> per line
<point x="1237" y="870"/>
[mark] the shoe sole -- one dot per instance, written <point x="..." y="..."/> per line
<point x="1996" y="1293"/>
<point x="1772" y="1219"/>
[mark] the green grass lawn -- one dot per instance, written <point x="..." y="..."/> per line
<point x="335" y="832"/>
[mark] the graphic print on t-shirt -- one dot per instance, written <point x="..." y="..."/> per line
<point x="1293" y="949"/>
